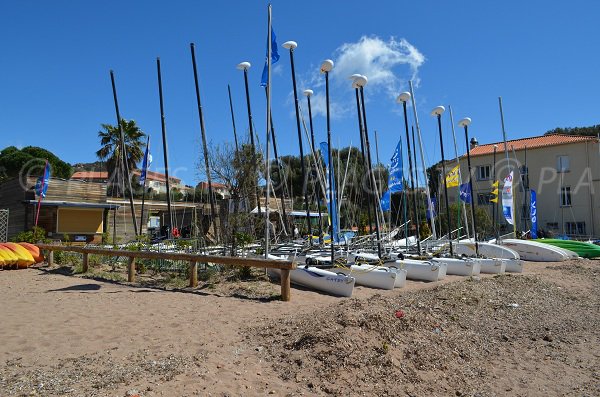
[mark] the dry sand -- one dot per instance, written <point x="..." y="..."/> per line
<point x="531" y="334"/>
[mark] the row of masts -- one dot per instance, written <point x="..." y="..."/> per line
<point x="374" y="209"/>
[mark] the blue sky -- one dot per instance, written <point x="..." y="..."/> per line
<point x="540" y="56"/>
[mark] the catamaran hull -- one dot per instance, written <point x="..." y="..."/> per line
<point x="421" y="270"/>
<point x="459" y="267"/>
<point x="486" y="249"/>
<point x="322" y="280"/>
<point x="374" y="276"/>
<point x="513" y="265"/>
<point x="491" y="266"/>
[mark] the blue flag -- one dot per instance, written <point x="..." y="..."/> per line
<point x="41" y="186"/>
<point x="533" y="214"/>
<point x="430" y="212"/>
<point x="465" y="192"/>
<point x="146" y="163"/>
<point x="386" y="201"/>
<point x="396" y="177"/>
<point x="331" y="207"/>
<point x="264" y="81"/>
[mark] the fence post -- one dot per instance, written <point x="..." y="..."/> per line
<point x="50" y="258"/>
<point x="131" y="269"/>
<point x="193" y="274"/>
<point x="85" y="262"/>
<point x="285" y="285"/>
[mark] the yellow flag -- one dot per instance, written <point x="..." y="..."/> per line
<point x="494" y="192"/>
<point x="452" y="177"/>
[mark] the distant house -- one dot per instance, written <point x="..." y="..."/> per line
<point x="564" y="170"/>
<point x="218" y="189"/>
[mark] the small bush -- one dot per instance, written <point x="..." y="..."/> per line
<point x="35" y="235"/>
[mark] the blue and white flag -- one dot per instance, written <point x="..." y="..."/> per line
<point x="465" y="192"/>
<point x="386" y="201"/>
<point x="332" y="209"/>
<point x="146" y="163"/>
<point x="430" y="212"/>
<point x="533" y="214"/>
<point x="41" y="186"/>
<point x="395" y="179"/>
<point x="264" y="81"/>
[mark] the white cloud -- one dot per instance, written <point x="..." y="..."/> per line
<point x="381" y="61"/>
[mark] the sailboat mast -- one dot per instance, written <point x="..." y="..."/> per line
<point x="465" y="123"/>
<point x="232" y="119"/>
<point x="291" y="45"/>
<point x="464" y="209"/>
<point x="369" y="169"/>
<point x="124" y="152"/>
<point x="404" y="97"/>
<point x="165" y="150"/>
<point x="362" y="150"/>
<point x="211" y="197"/>
<point x="427" y="192"/>
<point x="267" y="166"/>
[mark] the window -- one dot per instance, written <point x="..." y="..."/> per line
<point x="483" y="172"/>
<point x="575" y="228"/>
<point x="484" y="198"/>
<point x="552" y="225"/>
<point x="565" y="196"/>
<point x="562" y="164"/>
<point x="525" y="177"/>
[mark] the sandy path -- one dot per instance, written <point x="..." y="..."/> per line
<point x="52" y="322"/>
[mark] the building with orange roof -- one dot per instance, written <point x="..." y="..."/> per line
<point x="564" y="170"/>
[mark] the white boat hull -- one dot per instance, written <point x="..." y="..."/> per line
<point x="459" y="267"/>
<point x="375" y="276"/>
<point x="534" y="251"/>
<point x="513" y="265"/>
<point x="421" y="270"/>
<point x="485" y="249"/>
<point x="492" y="266"/>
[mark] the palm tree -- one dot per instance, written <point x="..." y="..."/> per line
<point x="110" y="151"/>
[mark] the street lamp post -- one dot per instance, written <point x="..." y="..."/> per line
<point x="326" y="67"/>
<point x="404" y="98"/>
<point x="308" y="94"/>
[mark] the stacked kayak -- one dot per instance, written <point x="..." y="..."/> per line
<point x="585" y="250"/>
<point x="21" y="255"/>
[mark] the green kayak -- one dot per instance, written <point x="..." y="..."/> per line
<point x="585" y="250"/>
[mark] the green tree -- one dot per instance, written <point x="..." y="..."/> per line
<point x="30" y="161"/>
<point x="110" y="149"/>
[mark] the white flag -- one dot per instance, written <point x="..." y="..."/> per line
<point x="507" y="199"/>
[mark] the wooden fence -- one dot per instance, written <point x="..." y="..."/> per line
<point x="193" y="259"/>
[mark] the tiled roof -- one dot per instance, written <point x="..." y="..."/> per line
<point x="90" y="175"/>
<point x="151" y="175"/>
<point x="216" y="185"/>
<point x="531" y="143"/>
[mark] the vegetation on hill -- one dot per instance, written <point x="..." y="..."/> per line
<point x="593" y="130"/>
<point x="30" y="161"/>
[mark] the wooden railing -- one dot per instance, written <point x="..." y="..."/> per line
<point x="193" y="259"/>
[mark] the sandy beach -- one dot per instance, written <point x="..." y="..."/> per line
<point x="530" y="334"/>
